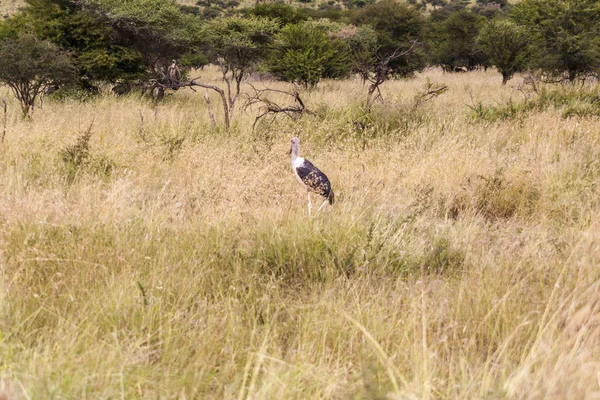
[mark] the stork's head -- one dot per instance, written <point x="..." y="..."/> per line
<point x="295" y="145"/>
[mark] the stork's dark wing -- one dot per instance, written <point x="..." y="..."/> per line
<point x="314" y="178"/>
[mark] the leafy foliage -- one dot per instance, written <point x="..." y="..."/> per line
<point x="30" y="65"/>
<point x="157" y="29"/>
<point x="237" y="44"/>
<point x="98" y="52"/>
<point x="307" y="52"/>
<point x="397" y="25"/>
<point x="454" y="41"/>
<point x="498" y="3"/>
<point x="505" y="44"/>
<point x="565" y="35"/>
<point x="363" y="45"/>
<point x="283" y="13"/>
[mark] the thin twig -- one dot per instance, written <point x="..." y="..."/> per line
<point x="4" y="125"/>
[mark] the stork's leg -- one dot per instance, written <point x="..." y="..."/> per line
<point x="322" y="205"/>
<point x="309" y="204"/>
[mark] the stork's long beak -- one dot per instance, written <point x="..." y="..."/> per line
<point x="290" y="152"/>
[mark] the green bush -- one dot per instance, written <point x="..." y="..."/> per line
<point x="306" y="52"/>
<point x="570" y="101"/>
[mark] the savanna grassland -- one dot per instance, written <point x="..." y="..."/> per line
<point x="146" y="254"/>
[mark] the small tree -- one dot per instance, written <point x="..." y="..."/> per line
<point x="390" y="31"/>
<point x="283" y="13"/>
<point x="307" y="52"/>
<point x="237" y="45"/>
<point x="30" y="65"/>
<point x="493" y="3"/>
<point x="453" y="41"/>
<point x="363" y="48"/>
<point x="505" y="43"/>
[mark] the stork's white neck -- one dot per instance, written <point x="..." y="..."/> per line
<point x="295" y="152"/>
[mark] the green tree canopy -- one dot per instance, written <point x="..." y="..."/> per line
<point x="97" y="51"/>
<point x="363" y="48"/>
<point x="239" y="44"/>
<point x="283" y="13"/>
<point x="453" y="41"/>
<point x="565" y="35"/>
<point x="397" y="26"/>
<point x="29" y="65"/>
<point x="157" y="29"/>
<point x="505" y="43"/>
<point x="309" y="51"/>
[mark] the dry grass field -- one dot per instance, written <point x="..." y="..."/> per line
<point x="168" y="259"/>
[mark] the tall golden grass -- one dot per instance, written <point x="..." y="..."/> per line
<point x="174" y="260"/>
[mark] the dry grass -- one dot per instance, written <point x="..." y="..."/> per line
<point x="9" y="7"/>
<point x="461" y="260"/>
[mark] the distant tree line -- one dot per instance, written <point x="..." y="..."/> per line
<point x="132" y="43"/>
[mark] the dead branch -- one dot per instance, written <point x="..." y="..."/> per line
<point x="380" y="70"/>
<point x="195" y="82"/>
<point x="431" y="91"/>
<point x="267" y="107"/>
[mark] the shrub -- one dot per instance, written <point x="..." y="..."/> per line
<point x="496" y="197"/>
<point x="569" y="101"/>
<point x="76" y="156"/>
<point x="305" y="53"/>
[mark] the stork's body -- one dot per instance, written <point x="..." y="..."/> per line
<point x="310" y="177"/>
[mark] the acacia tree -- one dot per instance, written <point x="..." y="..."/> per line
<point x="565" y="35"/>
<point x="236" y="45"/>
<point x="157" y="29"/>
<point x="505" y="43"/>
<point x="30" y="65"/>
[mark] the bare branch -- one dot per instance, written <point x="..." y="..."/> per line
<point x="268" y="107"/>
<point x="431" y="91"/>
<point x="378" y="72"/>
